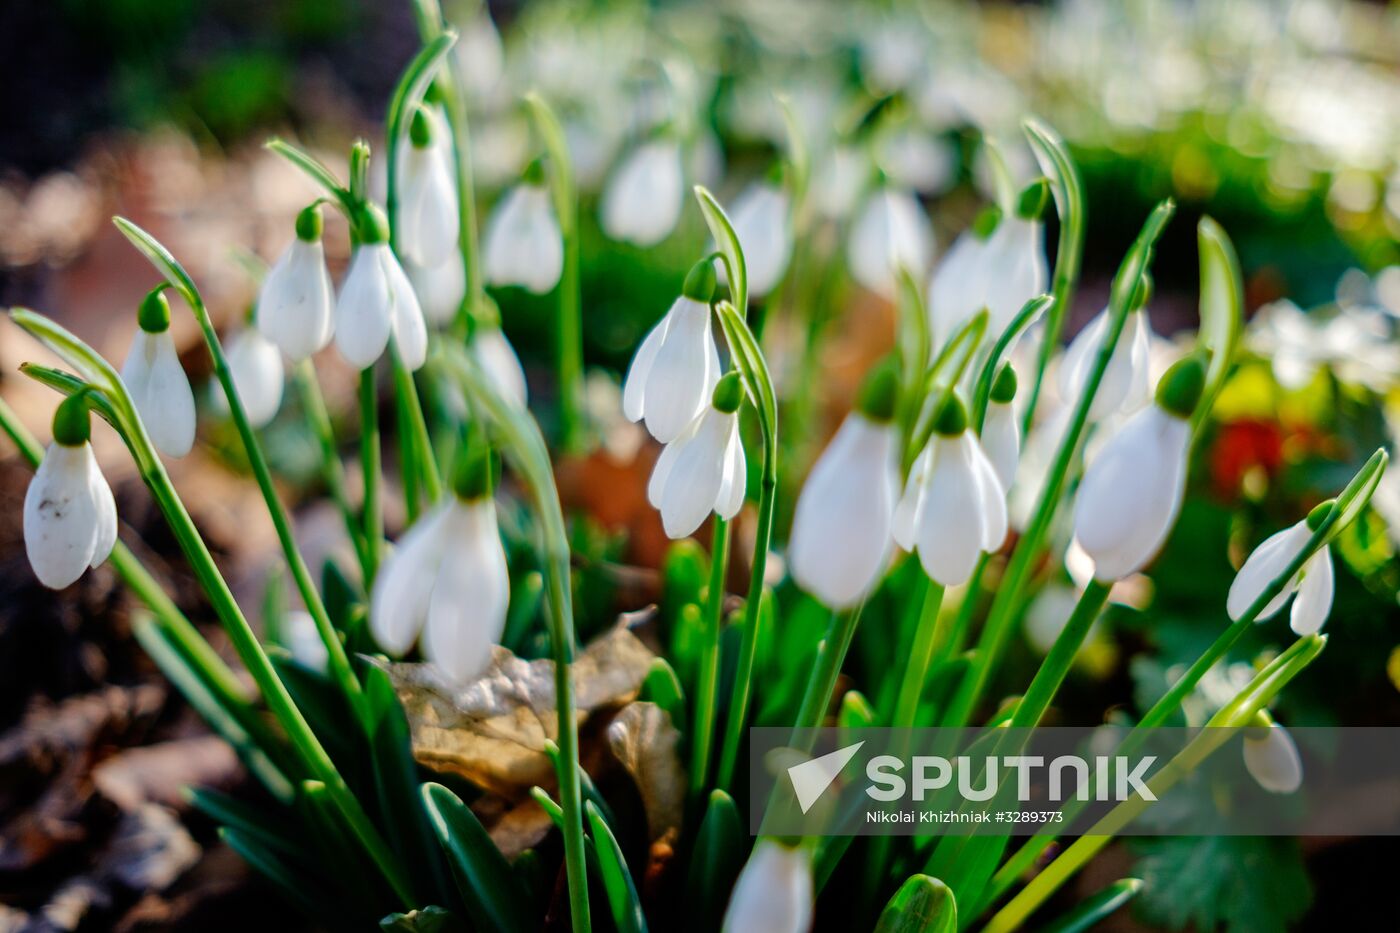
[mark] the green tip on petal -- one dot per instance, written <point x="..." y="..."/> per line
<point x="71" y="426"/>
<point x="1033" y="200"/>
<point x="1180" y="389"/>
<point x="420" y="128"/>
<point x="309" y="223"/>
<point x="951" y="418"/>
<point x="154" y="313"/>
<point x="374" y="225"/>
<point x="879" y="393"/>
<point x="475" y="470"/>
<point x="1319" y="514"/>
<point x="1004" y="389"/>
<point x="986" y="223"/>
<point x="700" y="282"/>
<point x="728" y="394"/>
<point x="1143" y="293"/>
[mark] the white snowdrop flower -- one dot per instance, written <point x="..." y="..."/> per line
<point x="761" y="218"/>
<point x="1126" y="384"/>
<point x="954" y="507"/>
<point x="774" y="891"/>
<point x="157" y="382"/>
<point x="497" y="358"/>
<point x="890" y="231"/>
<point x="427" y="221"/>
<point x="670" y="379"/>
<point x="1313" y="583"/>
<point x="1272" y="758"/>
<point x="440" y="289"/>
<point x="1015" y="270"/>
<point x="1001" y="431"/>
<point x="1132" y="491"/>
<point x="481" y="56"/>
<point x="703" y="470"/>
<point x="957" y="289"/>
<point x="523" y="244"/>
<point x="303" y="641"/>
<point x="296" y="305"/>
<point x="839" y="180"/>
<point x="643" y="199"/>
<point x="840" y="542"/>
<point x="377" y="302"/>
<point x="447" y="580"/>
<point x="70" y="518"/>
<point x="256" y="365"/>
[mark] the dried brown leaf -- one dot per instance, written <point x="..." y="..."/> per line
<point x="644" y="742"/>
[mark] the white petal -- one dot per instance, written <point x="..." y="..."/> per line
<point x="304" y="642"/>
<point x="362" y="315"/>
<point x="105" y="536"/>
<point x="406" y="317"/>
<point x="840" y="541"/>
<point x="1314" y="602"/>
<point x="497" y="358"/>
<point x="428" y="219"/>
<point x="634" y="387"/>
<point x="890" y="231"/>
<point x="1016" y="269"/>
<point x="523" y="243"/>
<point x="161" y="390"/>
<point x="947" y="535"/>
<point x="735" y="479"/>
<point x="296" y="305"/>
<point x="63" y="519"/>
<point x="773" y="893"/>
<point x="467" y="612"/>
<point x="1001" y="441"/>
<point x="991" y="495"/>
<point x="1273" y="760"/>
<point x="440" y="289"/>
<point x="403" y="587"/>
<point x="760" y="218"/>
<point x="643" y="200"/>
<point x="1262" y="567"/>
<point x="689" y="481"/>
<point x="256" y="365"/>
<point x="910" y="508"/>
<point x="958" y="287"/>
<point x="680" y="373"/>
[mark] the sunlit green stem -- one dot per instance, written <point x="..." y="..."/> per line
<point x="707" y="680"/>
<point x="313" y="406"/>
<point x="1056" y="665"/>
<point x="831" y="654"/>
<point x="371" y="517"/>
<point x="928" y="636"/>
<point x="415" y="446"/>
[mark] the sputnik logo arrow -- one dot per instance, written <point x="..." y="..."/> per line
<point x="811" y="778"/>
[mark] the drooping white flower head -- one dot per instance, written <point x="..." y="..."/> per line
<point x="428" y="219"/>
<point x="296" y="304"/>
<point x="440" y="289"/>
<point x="497" y="358"/>
<point x="447" y="580"/>
<point x="957" y="289"/>
<point x="841" y="542"/>
<point x="1272" y="758"/>
<point x="1132" y="491"/>
<point x="70" y="517"/>
<point x="523" y="244"/>
<point x="998" y="264"/>
<point x="256" y="365"/>
<point x="1313" y="582"/>
<point x="1016" y="268"/>
<point x="670" y="379"/>
<point x="1127" y="382"/>
<point x="1001" y="431"/>
<point x="762" y="222"/>
<point x="839" y="180"/>
<point x="157" y="382"/>
<point x="954" y="507"/>
<point x="377" y="302"/>
<point x="303" y="642"/>
<point x="890" y="231"/>
<point x="774" y="891"/>
<point x="703" y="470"/>
<point x="643" y="199"/>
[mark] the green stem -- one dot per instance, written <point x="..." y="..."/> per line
<point x="415" y="446"/>
<point x="1056" y="665"/>
<point x="371" y="518"/>
<point x="929" y="635"/>
<point x="831" y="654"/>
<point x="318" y="420"/>
<point x="703" y="723"/>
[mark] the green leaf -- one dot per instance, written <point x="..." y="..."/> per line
<point x="1222" y="309"/>
<point x="617" y="880"/>
<point x="1096" y="908"/>
<point x="921" y="905"/>
<point x="856" y="713"/>
<point x="548" y="805"/>
<point x="160" y="257"/>
<point x="342" y="858"/>
<point x="423" y="920"/>
<point x="721" y="845"/>
<point x="1358" y="492"/>
<point x="560" y="166"/>
<point x="685" y="574"/>
<point x="317" y="172"/>
<point x="493" y="896"/>
<point x="732" y="252"/>
<point x="1243" y="884"/>
<point x="526" y="594"/>
<point x="1054" y="158"/>
<point x="662" y="687"/>
<point x="270" y="829"/>
<point x="798" y="157"/>
<point x="1030" y="312"/>
<point x="752" y="366"/>
<point x="294" y="883"/>
<point x="340" y="595"/>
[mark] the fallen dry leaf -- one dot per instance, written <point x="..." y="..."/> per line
<point x="644" y="741"/>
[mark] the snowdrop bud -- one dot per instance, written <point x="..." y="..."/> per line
<point x="703" y="470"/>
<point x="498" y="360"/>
<point x="1132" y="491"/>
<point x="1271" y="757"/>
<point x="296" y="304"/>
<point x="840" y="542"/>
<point x="157" y="383"/>
<point x="1001" y="431"/>
<point x="1313" y="582"/>
<point x="303" y="641"/>
<point x="440" y="289"/>
<point x="763" y="225"/>
<point x="377" y="302"/>
<point x="1125" y="385"/>
<point x="70" y="518"/>
<point x="953" y="507"/>
<point x="427" y="217"/>
<point x="890" y="231"/>
<point x="523" y="244"/>
<point x="448" y="579"/>
<point x="643" y="200"/>
<point x="774" y="891"/>
<point x="256" y="366"/>
<point x="670" y="379"/>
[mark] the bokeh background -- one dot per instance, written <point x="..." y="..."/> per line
<point x="1280" y="119"/>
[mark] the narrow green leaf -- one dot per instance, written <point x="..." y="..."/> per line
<point x="921" y="905"/>
<point x="318" y="173"/>
<point x="662" y="687"/>
<point x="1222" y="309"/>
<point x="560" y="166"/>
<point x="1030" y="312"/>
<point x="752" y="365"/>
<point x="855" y="713"/>
<point x="1358" y="492"/>
<point x="167" y="265"/>
<point x="722" y="229"/>
<point x="526" y="594"/>
<point x="798" y="156"/>
<point x="270" y="829"/>
<point x="721" y="845"/>
<point x="617" y="880"/>
<point x="685" y="574"/>
<point x="493" y="896"/>
<point x="294" y="883"/>
<point x="1096" y="908"/>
